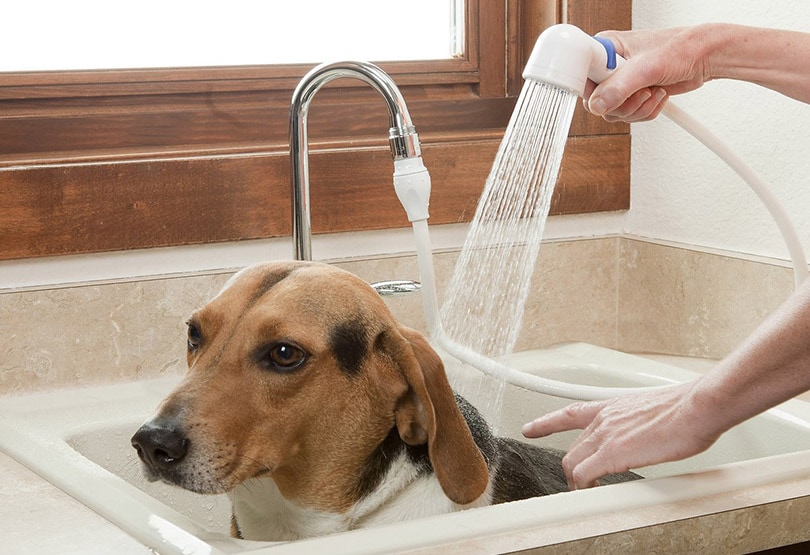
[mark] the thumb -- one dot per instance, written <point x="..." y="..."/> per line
<point x="614" y="91"/>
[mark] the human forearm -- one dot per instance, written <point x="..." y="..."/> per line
<point x="773" y="58"/>
<point x="771" y="366"/>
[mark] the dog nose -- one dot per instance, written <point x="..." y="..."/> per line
<point x="160" y="444"/>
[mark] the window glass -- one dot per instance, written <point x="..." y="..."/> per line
<point x="41" y="35"/>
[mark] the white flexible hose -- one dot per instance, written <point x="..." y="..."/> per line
<point x="754" y="181"/>
<point x="526" y="380"/>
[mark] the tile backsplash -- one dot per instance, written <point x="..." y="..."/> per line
<point x="98" y="333"/>
<point x="686" y="302"/>
<point x="619" y="292"/>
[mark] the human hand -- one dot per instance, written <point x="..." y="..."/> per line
<point x="659" y="63"/>
<point x="627" y="432"/>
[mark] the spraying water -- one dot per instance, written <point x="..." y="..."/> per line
<point x="483" y="309"/>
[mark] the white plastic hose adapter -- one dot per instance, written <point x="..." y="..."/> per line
<point x="566" y="57"/>
<point x="412" y="185"/>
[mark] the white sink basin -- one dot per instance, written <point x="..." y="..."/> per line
<point x="80" y="441"/>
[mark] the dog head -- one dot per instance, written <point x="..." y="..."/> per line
<point x="298" y="371"/>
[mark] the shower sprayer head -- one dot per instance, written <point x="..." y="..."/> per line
<point x="566" y="57"/>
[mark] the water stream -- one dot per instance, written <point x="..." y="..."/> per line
<point x="484" y="301"/>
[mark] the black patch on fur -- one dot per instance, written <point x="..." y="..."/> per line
<point x="386" y="453"/>
<point x="525" y="471"/>
<point x="350" y="345"/>
<point x="521" y="470"/>
<point x="270" y="280"/>
<point x="479" y="429"/>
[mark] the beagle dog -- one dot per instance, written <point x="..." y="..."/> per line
<point x="316" y="412"/>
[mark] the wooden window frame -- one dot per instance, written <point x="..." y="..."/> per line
<point x="94" y="161"/>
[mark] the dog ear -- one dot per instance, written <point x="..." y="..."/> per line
<point x="428" y="413"/>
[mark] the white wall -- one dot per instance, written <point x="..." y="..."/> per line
<point x="680" y="191"/>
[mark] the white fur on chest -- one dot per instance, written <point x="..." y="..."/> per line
<point x="264" y="514"/>
<point x="405" y="494"/>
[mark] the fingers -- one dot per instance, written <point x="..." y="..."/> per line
<point x="586" y="460"/>
<point x="634" y="102"/>
<point x="576" y="416"/>
<point x="583" y="474"/>
<point x="643" y="105"/>
<point x="584" y="463"/>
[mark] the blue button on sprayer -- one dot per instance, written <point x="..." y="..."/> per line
<point x="610" y="48"/>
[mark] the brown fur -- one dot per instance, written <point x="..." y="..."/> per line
<point x="314" y="428"/>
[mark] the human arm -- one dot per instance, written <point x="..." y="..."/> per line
<point x="666" y="62"/>
<point x="637" y="430"/>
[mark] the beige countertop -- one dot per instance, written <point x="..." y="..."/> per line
<point x="739" y="522"/>
<point x="37" y="518"/>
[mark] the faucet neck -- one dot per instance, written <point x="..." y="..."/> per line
<point x="402" y="137"/>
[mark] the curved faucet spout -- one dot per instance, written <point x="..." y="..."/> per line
<point x="402" y="135"/>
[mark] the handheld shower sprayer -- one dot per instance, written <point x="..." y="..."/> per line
<point x="566" y="57"/>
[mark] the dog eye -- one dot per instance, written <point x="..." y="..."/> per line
<point x="194" y="336"/>
<point x="282" y="357"/>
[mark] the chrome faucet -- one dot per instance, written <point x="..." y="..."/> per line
<point x="411" y="179"/>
